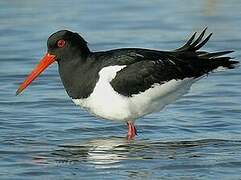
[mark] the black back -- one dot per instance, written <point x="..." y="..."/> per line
<point x="79" y="67"/>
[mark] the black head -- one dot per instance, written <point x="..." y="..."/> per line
<point x="65" y="44"/>
<point x="65" y="47"/>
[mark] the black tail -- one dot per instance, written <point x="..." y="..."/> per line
<point x="217" y="59"/>
<point x="209" y="61"/>
<point x="197" y="44"/>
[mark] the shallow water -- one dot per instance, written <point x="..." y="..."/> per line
<point x="43" y="135"/>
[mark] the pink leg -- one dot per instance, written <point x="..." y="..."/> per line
<point x="131" y="130"/>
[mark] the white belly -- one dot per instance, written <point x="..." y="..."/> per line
<point x="104" y="102"/>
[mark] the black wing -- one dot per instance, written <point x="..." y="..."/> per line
<point x="147" y="67"/>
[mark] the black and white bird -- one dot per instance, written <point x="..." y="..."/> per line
<point x="126" y="84"/>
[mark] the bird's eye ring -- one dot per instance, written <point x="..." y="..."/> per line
<point x="61" y="43"/>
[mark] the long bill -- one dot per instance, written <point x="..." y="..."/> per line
<point x="43" y="64"/>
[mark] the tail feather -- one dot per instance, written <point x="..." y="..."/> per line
<point x="203" y="42"/>
<point x="216" y="59"/>
<point x="226" y="62"/>
<point x="215" y="54"/>
<point x="205" y="61"/>
<point x="197" y="44"/>
<point x="199" y="38"/>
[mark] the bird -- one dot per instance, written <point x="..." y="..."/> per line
<point x="126" y="84"/>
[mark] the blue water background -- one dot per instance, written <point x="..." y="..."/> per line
<point x="43" y="135"/>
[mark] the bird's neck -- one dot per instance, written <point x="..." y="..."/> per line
<point x="78" y="76"/>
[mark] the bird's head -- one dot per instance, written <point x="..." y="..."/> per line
<point x="62" y="46"/>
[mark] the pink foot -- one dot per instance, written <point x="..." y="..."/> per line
<point x="131" y="130"/>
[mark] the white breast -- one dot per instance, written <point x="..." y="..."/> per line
<point x="106" y="103"/>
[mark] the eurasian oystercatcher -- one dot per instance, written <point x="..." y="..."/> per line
<point x="126" y="84"/>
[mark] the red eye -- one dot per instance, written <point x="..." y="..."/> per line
<point x="61" y="43"/>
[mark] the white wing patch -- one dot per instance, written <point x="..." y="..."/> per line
<point x="106" y="103"/>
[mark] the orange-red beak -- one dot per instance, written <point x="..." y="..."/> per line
<point x="43" y="64"/>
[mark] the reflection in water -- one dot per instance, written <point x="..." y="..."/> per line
<point x="40" y="160"/>
<point x="99" y="152"/>
<point x="110" y="153"/>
